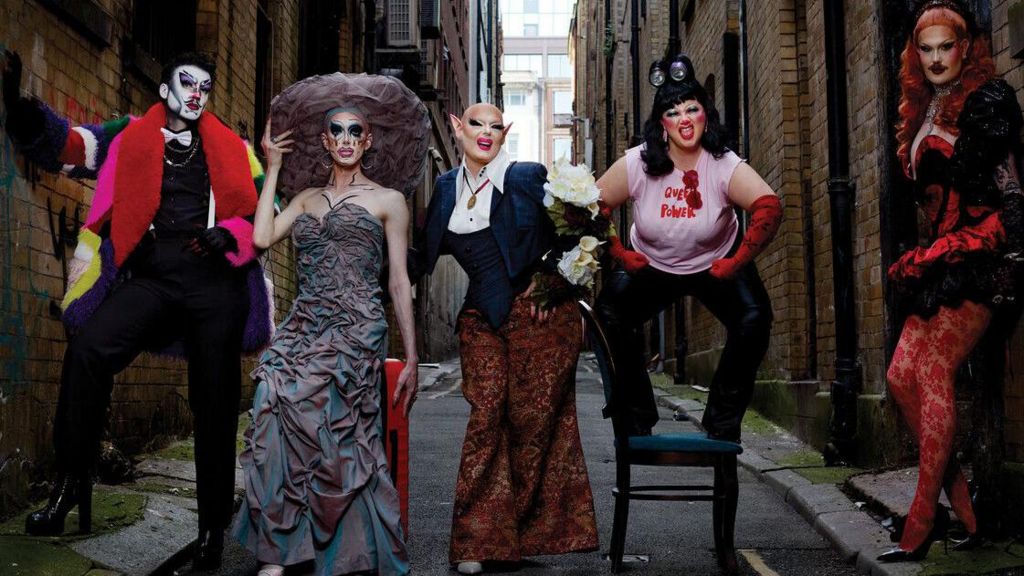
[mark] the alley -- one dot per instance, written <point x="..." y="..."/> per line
<point x="675" y="536"/>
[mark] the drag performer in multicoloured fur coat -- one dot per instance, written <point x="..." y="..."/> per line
<point x="165" y="257"/>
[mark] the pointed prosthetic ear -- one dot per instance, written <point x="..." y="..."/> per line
<point x="456" y="122"/>
<point x="507" y="128"/>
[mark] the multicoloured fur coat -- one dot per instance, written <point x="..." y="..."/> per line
<point x="125" y="156"/>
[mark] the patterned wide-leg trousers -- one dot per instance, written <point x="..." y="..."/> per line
<point x="523" y="488"/>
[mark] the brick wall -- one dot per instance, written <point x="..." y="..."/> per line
<point x="89" y="83"/>
<point x="1013" y="72"/>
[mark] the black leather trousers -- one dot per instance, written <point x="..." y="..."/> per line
<point x="741" y="304"/>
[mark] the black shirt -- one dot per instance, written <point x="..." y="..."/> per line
<point x="184" y="193"/>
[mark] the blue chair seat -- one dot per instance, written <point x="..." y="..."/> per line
<point x="688" y="442"/>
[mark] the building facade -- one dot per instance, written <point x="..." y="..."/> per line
<point x="93" y="60"/>
<point x="836" y="318"/>
<point x="538" y="79"/>
<point x="459" y="71"/>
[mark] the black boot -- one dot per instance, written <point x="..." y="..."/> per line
<point x="209" y="548"/>
<point x="69" y="491"/>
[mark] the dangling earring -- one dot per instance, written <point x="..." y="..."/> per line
<point x="362" y="162"/>
<point x="325" y="159"/>
<point x="664" y="135"/>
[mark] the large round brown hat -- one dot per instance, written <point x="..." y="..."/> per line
<point x="398" y="122"/>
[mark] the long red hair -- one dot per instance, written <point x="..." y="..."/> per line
<point x="916" y="92"/>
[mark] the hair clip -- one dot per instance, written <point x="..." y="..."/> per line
<point x="678" y="70"/>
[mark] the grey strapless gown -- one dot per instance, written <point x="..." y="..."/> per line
<point x="316" y="476"/>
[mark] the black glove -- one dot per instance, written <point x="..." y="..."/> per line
<point x="25" y="118"/>
<point x="214" y="240"/>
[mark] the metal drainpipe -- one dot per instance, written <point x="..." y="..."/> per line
<point x="673" y="28"/>
<point x="743" y="79"/>
<point x="634" y="48"/>
<point x="847" y="385"/>
<point x="369" y="36"/>
<point x="609" y="65"/>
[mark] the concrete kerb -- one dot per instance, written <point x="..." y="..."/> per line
<point x="853" y="532"/>
<point x="432" y="374"/>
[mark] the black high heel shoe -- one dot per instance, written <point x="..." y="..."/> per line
<point x="70" y="490"/>
<point x="939" y="528"/>
<point x="971" y="542"/>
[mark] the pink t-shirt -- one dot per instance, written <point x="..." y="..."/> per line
<point x="675" y="235"/>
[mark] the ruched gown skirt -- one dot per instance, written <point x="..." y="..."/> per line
<point x="316" y="477"/>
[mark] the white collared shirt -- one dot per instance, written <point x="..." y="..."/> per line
<point x="464" y="220"/>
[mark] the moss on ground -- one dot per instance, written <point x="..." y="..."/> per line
<point x="110" y="511"/>
<point x="828" y="474"/>
<point x="156" y="488"/>
<point x="754" y="422"/>
<point x="803" y="459"/>
<point x="181" y="450"/>
<point x="664" y="382"/>
<point x="243" y="425"/>
<point x="999" y="558"/>
<point x="24" y="556"/>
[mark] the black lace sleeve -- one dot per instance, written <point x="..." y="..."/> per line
<point x="990" y="125"/>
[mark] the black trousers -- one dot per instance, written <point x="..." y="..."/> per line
<point x="741" y="304"/>
<point x="170" y="293"/>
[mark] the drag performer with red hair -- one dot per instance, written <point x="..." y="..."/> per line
<point x="958" y="143"/>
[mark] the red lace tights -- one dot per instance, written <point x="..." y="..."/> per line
<point x="921" y="378"/>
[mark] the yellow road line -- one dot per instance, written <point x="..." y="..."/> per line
<point x="757" y="563"/>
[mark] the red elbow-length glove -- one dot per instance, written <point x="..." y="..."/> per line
<point x="986" y="235"/>
<point x="631" y="260"/>
<point x="765" y="216"/>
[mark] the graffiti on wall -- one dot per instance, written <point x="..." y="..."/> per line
<point x="22" y="299"/>
<point x="13" y="339"/>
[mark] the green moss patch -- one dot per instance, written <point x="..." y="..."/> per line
<point x="156" y="488"/>
<point x="803" y="459"/>
<point x="243" y="425"/>
<point x="664" y="382"/>
<point x="23" y="556"/>
<point x="994" y="559"/>
<point x="754" y="422"/>
<point x="111" y="511"/>
<point x="828" y="474"/>
<point x="182" y="450"/>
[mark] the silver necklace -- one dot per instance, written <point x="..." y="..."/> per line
<point x="940" y="94"/>
<point x="188" y="153"/>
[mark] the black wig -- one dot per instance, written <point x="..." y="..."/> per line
<point x="655" y="156"/>
<point x="197" y="59"/>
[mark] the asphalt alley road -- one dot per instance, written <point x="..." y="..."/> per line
<point x="666" y="538"/>
<point x="673" y="537"/>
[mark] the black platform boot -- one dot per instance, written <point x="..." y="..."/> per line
<point x="70" y="490"/>
<point x="209" y="549"/>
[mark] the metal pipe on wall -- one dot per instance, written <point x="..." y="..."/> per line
<point x="848" y="378"/>
<point x="634" y="48"/>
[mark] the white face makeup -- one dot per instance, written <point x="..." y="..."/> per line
<point x="347" y="138"/>
<point x="188" y="92"/>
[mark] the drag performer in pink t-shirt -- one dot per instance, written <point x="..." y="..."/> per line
<point x="685" y="185"/>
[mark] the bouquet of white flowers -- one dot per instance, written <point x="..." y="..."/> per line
<point x="571" y="197"/>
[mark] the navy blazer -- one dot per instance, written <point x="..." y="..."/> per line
<point x="519" y="221"/>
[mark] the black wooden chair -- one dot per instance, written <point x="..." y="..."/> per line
<point x="693" y="449"/>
